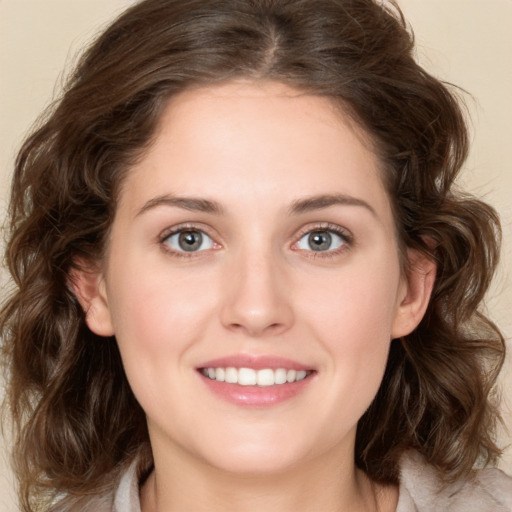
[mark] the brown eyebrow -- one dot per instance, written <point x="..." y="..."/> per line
<point x="297" y="207"/>
<point x="325" y="201"/>
<point x="187" y="203"/>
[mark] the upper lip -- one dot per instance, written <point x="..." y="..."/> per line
<point x="256" y="362"/>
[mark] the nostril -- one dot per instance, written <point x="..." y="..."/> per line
<point x="256" y="311"/>
<point x="257" y="329"/>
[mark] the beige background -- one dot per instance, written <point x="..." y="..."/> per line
<point x="467" y="42"/>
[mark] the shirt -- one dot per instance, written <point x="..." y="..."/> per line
<point x="421" y="489"/>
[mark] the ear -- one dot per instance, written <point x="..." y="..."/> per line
<point x="415" y="293"/>
<point x="87" y="283"/>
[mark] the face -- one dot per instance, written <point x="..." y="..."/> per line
<point x="252" y="279"/>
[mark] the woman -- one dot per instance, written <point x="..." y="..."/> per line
<point x="244" y="277"/>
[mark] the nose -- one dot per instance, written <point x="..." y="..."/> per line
<point x="257" y="301"/>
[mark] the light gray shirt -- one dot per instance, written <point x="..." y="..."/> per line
<point x="421" y="490"/>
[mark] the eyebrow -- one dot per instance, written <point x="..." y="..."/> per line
<point x="300" y="206"/>
<point x="325" y="201"/>
<point x="187" y="203"/>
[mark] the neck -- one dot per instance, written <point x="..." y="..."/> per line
<point x="324" y="483"/>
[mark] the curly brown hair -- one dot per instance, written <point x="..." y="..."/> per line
<point x="76" y="420"/>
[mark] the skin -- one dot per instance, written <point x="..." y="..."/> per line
<point x="255" y="149"/>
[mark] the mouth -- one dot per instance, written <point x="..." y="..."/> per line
<point x="251" y="377"/>
<point x="256" y="381"/>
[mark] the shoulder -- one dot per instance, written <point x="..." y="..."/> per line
<point x="101" y="503"/>
<point x="422" y="489"/>
<point x="124" y="497"/>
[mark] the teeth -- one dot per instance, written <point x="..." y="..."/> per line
<point x="266" y="377"/>
<point x="301" y="374"/>
<point x="247" y="377"/>
<point x="280" y="376"/>
<point x="251" y="377"/>
<point x="231" y="375"/>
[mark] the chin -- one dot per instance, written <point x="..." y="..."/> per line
<point x="260" y="455"/>
<point x="257" y="463"/>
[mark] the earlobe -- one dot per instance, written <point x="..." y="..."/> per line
<point x="88" y="285"/>
<point x="415" y="297"/>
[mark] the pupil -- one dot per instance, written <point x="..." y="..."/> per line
<point x="320" y="240"/>
<point x="190" y="240"/>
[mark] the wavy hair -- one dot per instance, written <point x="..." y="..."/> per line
<point x="76" y="421"/>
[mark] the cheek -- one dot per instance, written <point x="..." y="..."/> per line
<point x="157" y="319"/>
<point x="359" y="303"/>
<point x="353" y="320"/>
<point x="159" y="312"/>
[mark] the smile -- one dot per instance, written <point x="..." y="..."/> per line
<point x="250" y="377"/>
<point x="256" y="380"/>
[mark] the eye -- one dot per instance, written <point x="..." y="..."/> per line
<point x="189" y="240"/>
<point x="321" y="240"/>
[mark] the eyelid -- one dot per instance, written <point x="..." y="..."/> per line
<point x="342" y="232"/>
<point x="326" y="226"/>
<point x="187" y="226"/>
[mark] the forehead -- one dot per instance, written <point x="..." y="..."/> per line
<point x="247" y="105"/>
<point x="216" y="140"/>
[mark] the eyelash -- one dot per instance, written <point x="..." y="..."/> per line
<point x="167" y="234"/>
<point x="344" y="234"/>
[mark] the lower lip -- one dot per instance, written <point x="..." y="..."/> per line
<point x="256" y="396"/>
